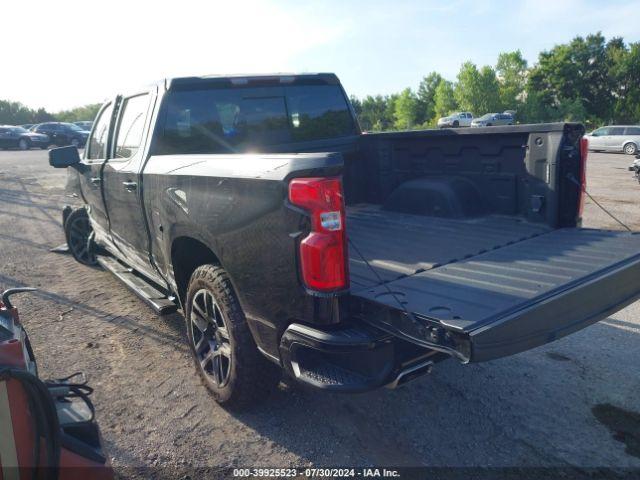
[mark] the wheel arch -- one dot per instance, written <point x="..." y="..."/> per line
<point x="187" y="254"/>
<point x="631" y="142"/>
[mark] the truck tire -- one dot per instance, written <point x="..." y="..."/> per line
<point x="456" y="124"/>
<point x="221" y="344"/>
<point x="78" y="232"/>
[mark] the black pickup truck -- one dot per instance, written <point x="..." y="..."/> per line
<point x="352" y="261"/>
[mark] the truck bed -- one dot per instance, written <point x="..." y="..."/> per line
<point x="468" y="273"/>
<point x="398" y="244"/>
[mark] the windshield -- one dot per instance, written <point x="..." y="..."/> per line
<point x="19" y="130"/>
<point x="486" y="116"/>
<point x="246" y="119"/>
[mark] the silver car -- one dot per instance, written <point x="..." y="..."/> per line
<point x="615" y="138"/>
<point x="491" y="119"/>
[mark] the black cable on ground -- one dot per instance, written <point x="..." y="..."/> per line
<point x="46" y="419"/>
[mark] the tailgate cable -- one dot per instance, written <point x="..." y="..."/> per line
<point x="411" y="316"/>
<point x="573" y="179"/>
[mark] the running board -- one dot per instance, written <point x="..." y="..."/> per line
<point x="157" y="300"/>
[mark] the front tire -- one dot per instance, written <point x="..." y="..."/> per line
<point x="79" y="233"/>
<point x="630" y="148"/>
<point x="456" y="124"/>
<point x="224" y="352"/>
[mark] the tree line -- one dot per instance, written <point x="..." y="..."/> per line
<point x="15" y="113"/>
<point x="589" y="80"/>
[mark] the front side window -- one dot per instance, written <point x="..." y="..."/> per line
<point x="248" y="118"/>
<point x="71" y="126"/>
<point x="130" y="129"/>
<point x="98" y="141"/>
<point x="600" y="132"/>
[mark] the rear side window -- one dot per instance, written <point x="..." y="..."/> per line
<point x="246" y="119"/>
<point x="97" y="145"/>
<point x="318" y="112"/>
<point x="633" y="130"/>
<point x="616" y="131"/>
<point x="131" y="126"/>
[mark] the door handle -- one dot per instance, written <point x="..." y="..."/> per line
<point x="130" y="186"/>
<point x="95" y="181"/>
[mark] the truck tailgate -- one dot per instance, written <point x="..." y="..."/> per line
<point x="518" y="296"/>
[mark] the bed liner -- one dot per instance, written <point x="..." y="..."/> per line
<point x="463" y="275"/>
<point x="398" y="244"/>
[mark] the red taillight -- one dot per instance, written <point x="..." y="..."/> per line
<point x="584" y="151"/>
<point x="323" y="258"/>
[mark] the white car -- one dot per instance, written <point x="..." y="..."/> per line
<point x="615" y="138"/>
<point x="458" y="119"/>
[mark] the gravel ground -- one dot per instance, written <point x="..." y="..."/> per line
<point x="568" y="404"/>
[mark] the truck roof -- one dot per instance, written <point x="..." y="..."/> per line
<point x="253" y="78"/>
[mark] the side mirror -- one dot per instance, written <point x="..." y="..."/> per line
<point x="63" y="157"/>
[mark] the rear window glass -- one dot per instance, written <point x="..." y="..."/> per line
<point x="246" y="119"/>
<point x="633" y="131"/>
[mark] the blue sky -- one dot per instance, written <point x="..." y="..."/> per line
<point x="374" y="46"/>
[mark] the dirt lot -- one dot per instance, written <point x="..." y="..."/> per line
<point x="569" y="404"/>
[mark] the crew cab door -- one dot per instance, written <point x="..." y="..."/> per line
<point x="121" y="179"/>
<point x="90" y="169"/>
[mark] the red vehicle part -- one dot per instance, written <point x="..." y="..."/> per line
<point x="323" y="252"/>
<point x="47" y="429"/>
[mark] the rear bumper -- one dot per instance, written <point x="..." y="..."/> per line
<point x="352" y="359"/>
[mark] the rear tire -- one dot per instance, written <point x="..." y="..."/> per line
<point x="456" y="124"/>
<point x="224" y="352"/>
<point x="77" y="229"/>
<point x="23" y="144"/>
<point x="630" y="148"/>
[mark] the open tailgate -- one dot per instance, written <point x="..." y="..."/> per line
<point x="513" y="298"/>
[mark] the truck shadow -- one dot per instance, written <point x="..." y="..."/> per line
<point x="126" y="322"/>
<point x="530" y="409"/>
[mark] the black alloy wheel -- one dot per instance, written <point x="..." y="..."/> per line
<point x="210" y="338"/>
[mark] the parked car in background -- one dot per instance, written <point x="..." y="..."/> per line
<point x="18" y="137"/>
<point x="62" y="134"/>
<point x="615" y="138"/>
<point x="84" y="124"/>
<point x="458" y="119"/>
<point x="492" y="119"/>
<point x="27" y="125"/>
